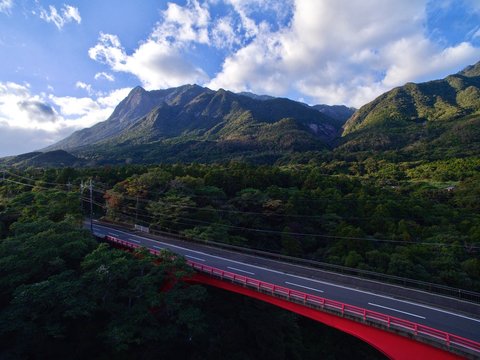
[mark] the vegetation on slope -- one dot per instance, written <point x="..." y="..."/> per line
<point x="63" y="295"/>
<point x="436" y="119"/>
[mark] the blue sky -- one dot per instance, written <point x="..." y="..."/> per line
<point x="66" y="64"/>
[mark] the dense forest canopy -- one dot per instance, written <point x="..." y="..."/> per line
<point x="64" y="295"/>
<point x="418" y="219"/>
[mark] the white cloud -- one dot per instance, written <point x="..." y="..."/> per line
<point x="109" y="51"/>
<point x="69" y="105"/>
<point x="67" y="14"/>
<point x="329" y="51"/>
<point x="72" y="13"/>
<point x="184" y="24"/>
<point x="162" y="60"/>
<point x="6" y="6"/>
<point x="41" y="119"/>
<point x="223" y="34"/>
<point x="84" y="86"/>
<point x="84" y="112"/>
<point x="339" y="51"/>
<point x="156" y="63"/>
<point x="416" y="51"/>
<point x="104" y="75"/>
<point x="21" y="109"/>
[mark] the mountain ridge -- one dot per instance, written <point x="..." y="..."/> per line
<point x="191" y="114"/>
<point x="434" y="119"/>
<point x="454" y="96"/>
<point x="137" y="104"/>
<point x="192" y="123"/>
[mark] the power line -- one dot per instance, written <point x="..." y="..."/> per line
<point x="34" y="180"/>
<point x="246" y="228"/>
<point x="269" y="214"/>
<point x="303" y="234"/>
<point x="255" y="229"/>
<point x="30" y="185"/>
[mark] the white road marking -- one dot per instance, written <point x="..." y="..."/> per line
<point x="305" y="287"/>
<point x="134" y="240"/>
<point x="244" y="271"/>
<point x="301" y="277"/>
<point x="399" y="311"/>
<point x="194" y="257"/>
<point x="435" y="309"/>
<point x="387" y="297"/>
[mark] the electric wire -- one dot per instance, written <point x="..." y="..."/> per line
<point x="282" y="232"/>
<point x="338" y="237"/>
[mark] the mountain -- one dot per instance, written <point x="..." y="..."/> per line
<point x="340" y="113"/>
<point x="255" y="96"/>
<point x="196" y="123"/>
<point x="138" y="103"/>
<point x="439" y="117"/>
<point x="56" y="158"/>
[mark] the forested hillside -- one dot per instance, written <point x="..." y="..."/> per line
<point x="192" y="123"/>
<point x="436" y="120"/>
<point x="398" y="196"/>
<point x="419" y="221"/>
<point x="64" y="295"/>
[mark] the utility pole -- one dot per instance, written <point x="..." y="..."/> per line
<point x="136" y="212"/>
<point x="91" y="206"/>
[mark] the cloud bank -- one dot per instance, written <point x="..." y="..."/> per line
<point x="37" y="120"/>
<point x="330" y="51"/>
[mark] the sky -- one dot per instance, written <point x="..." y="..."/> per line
<point x="65" y="65"/>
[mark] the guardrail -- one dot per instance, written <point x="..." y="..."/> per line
<point x="423" y="333"/>
<point x="461" y="294"/>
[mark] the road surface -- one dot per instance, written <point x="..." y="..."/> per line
<point x="276" y="272"/>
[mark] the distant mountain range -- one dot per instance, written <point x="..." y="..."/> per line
<point x="191" y="123"/>
<point x="54" y="158"/>
<point x="198" y="124"/>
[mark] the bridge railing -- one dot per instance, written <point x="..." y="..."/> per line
<point x="458" y="293"/>
<point x="373" y="318"/>
<point x="423" y="333"/>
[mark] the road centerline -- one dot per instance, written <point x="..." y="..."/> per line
<point x="194" y="257"/>
<point x="399" y="311"/>
<point x="303" y="286"/>
<point x="244" y="271"/>
<point x="296" y="276"/>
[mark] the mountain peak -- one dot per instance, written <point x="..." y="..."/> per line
<point x="255" y="96"/>
<point x="192" y="116"/>
<point x="137" y="89"/>
<point x="471" y="70"/>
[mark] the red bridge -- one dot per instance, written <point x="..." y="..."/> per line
<point x="394" y="337"/>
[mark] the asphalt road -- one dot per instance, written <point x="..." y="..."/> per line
<point x="276" y="272"/>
